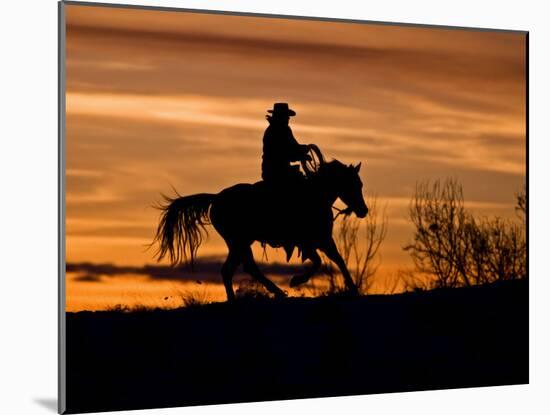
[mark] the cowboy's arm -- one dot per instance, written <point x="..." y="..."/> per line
<point x="296" y="151"/>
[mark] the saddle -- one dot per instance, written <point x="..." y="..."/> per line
<point x="283" y="202"/>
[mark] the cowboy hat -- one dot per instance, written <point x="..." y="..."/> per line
<point x="282" y="108"/>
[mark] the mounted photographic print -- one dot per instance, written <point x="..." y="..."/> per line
<point x="258" y="208"/>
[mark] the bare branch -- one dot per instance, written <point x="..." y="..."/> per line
<point x="454" y="248"/>
<point x="359" y="243"/>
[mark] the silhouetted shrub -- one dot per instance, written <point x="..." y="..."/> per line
<point x="452" y="248"/>
<point x="194" y="298"/>
<point x="136" y="308"/>
<point x="358" y="242"/>
<point x="251" y="289"/>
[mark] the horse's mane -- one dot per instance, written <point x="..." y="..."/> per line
<point x="328" y="167"/>
<point x="328" y="173"/>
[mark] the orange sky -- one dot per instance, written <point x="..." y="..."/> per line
<point x="159" y="98"/>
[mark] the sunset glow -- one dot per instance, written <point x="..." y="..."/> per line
<point x="157" y="99"/>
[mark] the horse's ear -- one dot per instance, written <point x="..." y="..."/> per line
<point x="357" y="168"/>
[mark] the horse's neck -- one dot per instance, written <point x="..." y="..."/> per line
<point x="325" y="191"/>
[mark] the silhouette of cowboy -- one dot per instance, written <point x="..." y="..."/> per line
<point x="280" y="148"/>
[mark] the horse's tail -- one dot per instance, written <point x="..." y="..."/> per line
<point x="182" y="227"/>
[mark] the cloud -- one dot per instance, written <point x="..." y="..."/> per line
<point x="205" y="270"/>
<point x="226" y="56"/>
<point x="88" y="278"/>
<point x="159" y="99"/>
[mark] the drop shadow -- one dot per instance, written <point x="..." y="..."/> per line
<point x="48" y="403"/>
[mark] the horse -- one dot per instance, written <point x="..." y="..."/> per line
<point x="298" y="215"/>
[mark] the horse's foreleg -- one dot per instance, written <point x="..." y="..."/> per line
<point x="331" y="251"/>
<point x="315" y="265"/>
<point x="250" y="266"/>
<point x="228" y="270"/>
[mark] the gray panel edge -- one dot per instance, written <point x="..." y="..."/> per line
<point x="62" y="329"/>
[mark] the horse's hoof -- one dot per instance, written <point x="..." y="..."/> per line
<point x="298" y="280"/>
<point x="280" y="294"/>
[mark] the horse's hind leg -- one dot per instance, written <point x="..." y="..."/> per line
<point x="304" y="277"/>
<point x="228" y="270"/>
<point x="250" y="266"/>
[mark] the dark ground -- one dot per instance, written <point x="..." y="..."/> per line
<point x="298" y="348"/>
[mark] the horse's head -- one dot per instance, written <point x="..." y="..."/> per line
<point x="348" y="186"/>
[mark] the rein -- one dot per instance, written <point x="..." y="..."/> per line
<point x="346" y="212"/>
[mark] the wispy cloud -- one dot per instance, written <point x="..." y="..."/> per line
<point x="205" y="269"/>
<point x="157" y="99"/>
